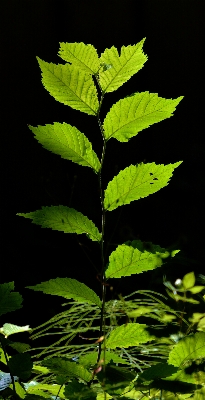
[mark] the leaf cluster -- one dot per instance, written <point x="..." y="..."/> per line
<point x="132" y="347"/>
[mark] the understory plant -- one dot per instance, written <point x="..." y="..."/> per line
<point x="118" y="358"/>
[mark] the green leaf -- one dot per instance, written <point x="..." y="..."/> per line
<point x="68" y="142"/>
<point x="9" y="301"/>
<point x="160" y="370"/>
<point x="69" y="289"/>
<point x="21" y="365"/>
<point x="81" y="55"/>
<point x="188" y="280"/>
<point x="134" y="113"/>
<point x="64" y="367"/>
<point x="189" y="348"/>
<point x="136" y="182"/>
<point x="20" y="347"/>
<point x="128" y="335"/>
<point x="70" y="86"/>
<point x="130" y="61"/>
<point x="133" y="259"/>
<point x="9" y="329"/>
<point x="62" y="218"/>
<point x="90" y="359"/>
<point x="42" y="388"/>
<point x="196" y="289"/>
<point x="76" y="390"/>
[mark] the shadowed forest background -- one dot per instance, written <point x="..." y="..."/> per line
<point x="32" y="177"/>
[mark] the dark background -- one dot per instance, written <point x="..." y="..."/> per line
<point x="32" y="177"/>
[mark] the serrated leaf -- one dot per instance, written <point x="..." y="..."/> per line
<point x="81" y="55"/>
<point x="69" y="289"/>
<point x="136" y="182"/>
<point x="76" y="390"/>
<point x="70" y="86"/>
<point x="9" y="329"/>
<point x="189" y="348"/>
<point x="137" y="112"/>
<point x="65" y="219"/>
<point x="62" y="366"/>
<point x="128" y="335"/>
<point x="130" y="61"/>
<point x="9" y="301"/>
<point x="20" y="347"/>
<point x="188" y="280"/>
<point x="68" y="142"/>
<point x="133" y="259"/>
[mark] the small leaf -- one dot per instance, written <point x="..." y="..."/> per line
<point x="9" y="301"/>
<point x="201" y="325"/>
<point x="9" y="329"/>
<point x="69" y="289"/>
<point x="81" y="55"/>
<point x="70" y="86"/>
<point x="191" y="347"/>
<point x="139" y="311"/>
<point x="137" y="112"/>
<point x="61" y="218"/>
<point x="196" y="289"/>
<point x="133" y="259"/>
<point x="188" y="280"/>
<point x="68" y="142"/>
<point x="136" y="182"/>
<point x="130" y="61"/>
<point x="62" y="366"/>
<point x="128" y="335"/>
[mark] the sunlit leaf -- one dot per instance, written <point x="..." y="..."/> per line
<point x="81" y="55"/>
<point x="128" y="335"/>
<point x="122" y="66"/>
<point x="68" y="142"/>
<point x="62" y="366"/>
<point x="133" y="259"/>
<point x="188" y="280"/>
<point x="62" y="218"/>
<point x="189" y="348"/>
<point x="70" y="86"/>
<point x="134" y="113"/>
<point x="68" y="288"/>
<point x="9" y="329"/>
<point x="136" y="182"/>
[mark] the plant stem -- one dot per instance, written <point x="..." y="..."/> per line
<point x="103" y="287"/>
